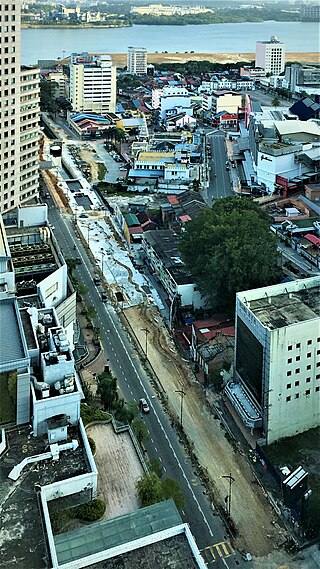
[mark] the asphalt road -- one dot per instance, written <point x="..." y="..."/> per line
<point x="219" y="177"/>
<point x="266" y="99"/>
<point x="207" y="528"/>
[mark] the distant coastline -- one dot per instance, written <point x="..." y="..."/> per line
<point x="120" y="59"/>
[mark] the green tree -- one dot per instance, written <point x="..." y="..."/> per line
<point x="140" y="429"/>
<point x="172" y="489"/>
<point x="229" y="248"/>
<point x="108" y="390"/>
<point x="81" y="289"/>
<point x="155" y="466"/>
<point x="149" y="489"/>
<point x="275" y="101"/>
<point x="216" y="380"/>
<point x="91" y="312"/>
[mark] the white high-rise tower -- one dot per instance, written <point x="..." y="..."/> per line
<point x="19" y="116"/>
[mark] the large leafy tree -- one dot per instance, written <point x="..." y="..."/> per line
<point x="229" y="248"/>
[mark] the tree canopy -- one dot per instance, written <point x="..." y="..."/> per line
<point x="229" y="248"/>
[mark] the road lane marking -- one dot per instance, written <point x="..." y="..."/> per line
<point x="113" y="315"/>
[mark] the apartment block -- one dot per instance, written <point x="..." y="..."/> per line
<point x="29" y="132"/>
<point x="93" y="85"/>
<point x="137" y="60"/>
<point x="277" y="356"/>
<point x="270" y="55"/>
<point x="19" y="110"/>
<point x="9" y="105"/>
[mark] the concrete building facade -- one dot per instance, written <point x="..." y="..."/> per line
<point x="10" y="105"/>
<point x="270" y="55"/>
<point x="29" y="132"/>
<point x="277" y="356"/>
<point x="93" y="85"/>
<point x="137" y="60"/>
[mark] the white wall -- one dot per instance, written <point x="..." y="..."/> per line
<point x="268" y="169"/>
<point x="53" y="289"/>
<point x="29" y="216"/>
<point x="68" y="404"/>
<point x="190" y="296"/>
<point x="302" y="412"/>
<point x="171" y="102"/>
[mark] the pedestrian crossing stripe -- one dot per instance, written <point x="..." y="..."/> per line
<point x="217" y="551"/>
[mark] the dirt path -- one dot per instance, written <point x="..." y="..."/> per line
<point x="89" y="157"/>
<point x="251" y="512"/>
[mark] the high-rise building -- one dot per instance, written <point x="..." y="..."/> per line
<point x="29" y="132"/>
<point x="270" y="55"/>
<point x="19" y="116"/>
<point x="137" y="60"/>
<point x="93" y="85"/>
<point x="277" y="355"/>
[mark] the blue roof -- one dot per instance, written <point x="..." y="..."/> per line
<point x="136" y="103"/>
<point x="119" y="108"/>
<point x="81" y="116"/>
<point x="137" y="173"/>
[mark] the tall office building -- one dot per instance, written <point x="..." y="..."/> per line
<point x="19" y="116"/>
<point x="93" y="84"/>
<point x="277" y="356"/>
<point x="137" y="60"/>
<point x="270" y="55"/>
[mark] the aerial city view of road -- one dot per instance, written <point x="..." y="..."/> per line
<point x="159" y="285"/>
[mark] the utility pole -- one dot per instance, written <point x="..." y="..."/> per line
<point x="228" y="498"/>
<point x="182" y="395"/>
<point x="147" y="331"/>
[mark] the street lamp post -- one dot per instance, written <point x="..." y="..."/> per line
<point x="182" y="395"/>
<point x="228" y="498"/>
<point x="147" y="331"/>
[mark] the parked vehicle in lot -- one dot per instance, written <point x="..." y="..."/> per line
<point x="144" y="405"/>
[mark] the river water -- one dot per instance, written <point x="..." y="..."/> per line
<point x="213" y="38"/>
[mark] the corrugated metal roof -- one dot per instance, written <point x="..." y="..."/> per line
<point x="131" y="219"/>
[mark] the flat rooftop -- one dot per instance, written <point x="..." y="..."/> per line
<point x="165" y="244"/>
<point x="22" y="541"/>
<point x="11" y="346"/>
<point x="287" y="308"/>
<point x="33" y="256"/>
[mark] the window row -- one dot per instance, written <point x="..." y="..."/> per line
<point x="307" y="392"/>
<point x="298" y="358"/>
<point x="298" y="344"/>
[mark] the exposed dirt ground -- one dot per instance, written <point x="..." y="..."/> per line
<point x="120" y="59"/>
<point x="251" y="511"/>
<point x="88" y="156"/>
<point x="118" y="469"/>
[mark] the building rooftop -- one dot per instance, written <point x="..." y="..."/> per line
<point x="34" y="256"/>
<point x="114" y="533"/>
<point x="23" y="543"/>
<point x="165" y="243"/>
<point x="11" y="344"/>
<point x="155" y="156"/>
<point x="285" y="304"/>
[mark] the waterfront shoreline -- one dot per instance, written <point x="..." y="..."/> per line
<point x="120" y="59"/>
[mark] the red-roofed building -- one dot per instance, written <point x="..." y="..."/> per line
<point x="313" y="239"/>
